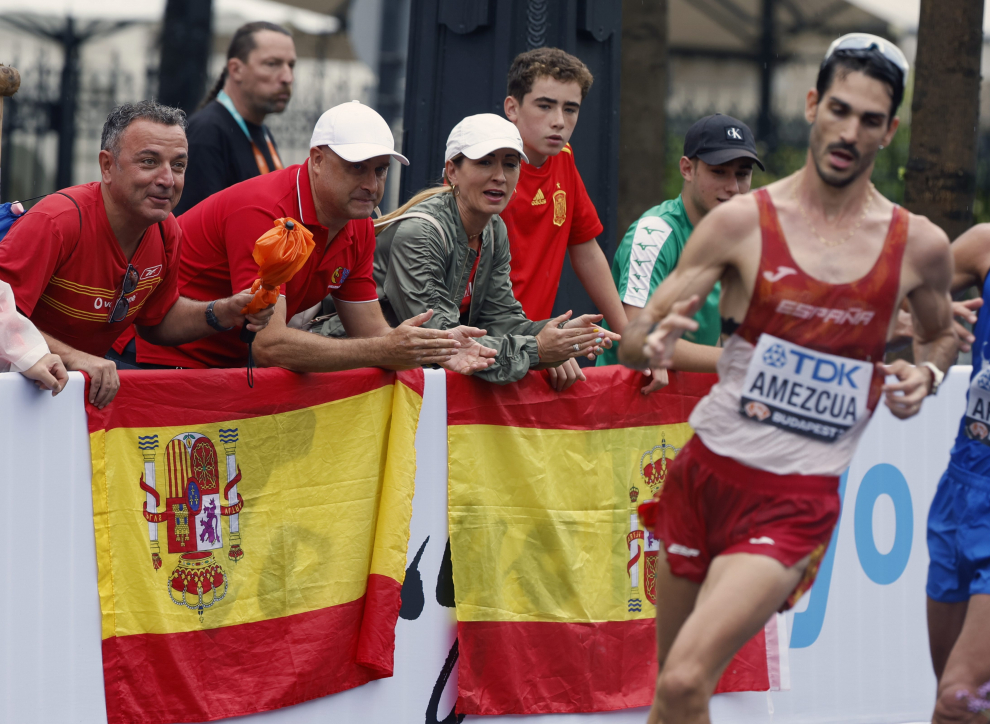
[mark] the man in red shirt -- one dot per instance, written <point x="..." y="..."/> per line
<point x="551" y="213"/>
<point x="90" y="260"/>
<point x="332" y="194"/>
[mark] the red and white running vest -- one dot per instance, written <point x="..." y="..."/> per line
<point x="797" y="381"/>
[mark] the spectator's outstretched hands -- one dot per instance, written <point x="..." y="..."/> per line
<point x="558" y="341"/>
<point x="48" y="373"/>
<point x="964" y="310"/>
<point x="560" y="378"/>
<point x="471" y="356"/>
<point x="592" y="320"/>
<point x="228" y="312"/>
<point x="411" y="345"/>
<point x="658" y="347"/>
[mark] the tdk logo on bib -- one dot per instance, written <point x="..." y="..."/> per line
<point x="803" y="391"/>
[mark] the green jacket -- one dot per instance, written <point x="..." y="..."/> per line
<point x="418" y="269"/>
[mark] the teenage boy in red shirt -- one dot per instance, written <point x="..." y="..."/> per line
<point x="551" y="213"/>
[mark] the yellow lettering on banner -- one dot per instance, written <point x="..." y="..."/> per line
<point x="324" y="507"/>
<point x="540" y="520"/>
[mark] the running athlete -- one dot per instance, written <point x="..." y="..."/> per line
<point x="958" y="537"/>
<point x="813" y="268"/>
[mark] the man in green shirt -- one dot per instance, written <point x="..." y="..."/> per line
<point x="719" y="153"/>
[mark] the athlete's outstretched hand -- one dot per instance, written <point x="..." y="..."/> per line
<point x="905" y="396"/>
<point x="659" y="345"/>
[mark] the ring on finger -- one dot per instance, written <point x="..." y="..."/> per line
<point x="576" y="347"/>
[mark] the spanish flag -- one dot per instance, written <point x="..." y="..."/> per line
<point x="554" y="576"/>
<point x="251" y="544"/>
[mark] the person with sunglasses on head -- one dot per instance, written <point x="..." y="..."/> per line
<point x="332" y="194"/>
<point x="813" y="269"/>
<point x="447" y="250"/>
<point x="87" y="262"/>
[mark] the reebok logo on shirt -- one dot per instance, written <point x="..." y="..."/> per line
<point x="151" y="271"/>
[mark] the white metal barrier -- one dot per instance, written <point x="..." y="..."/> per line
<point x="859" y="650"/>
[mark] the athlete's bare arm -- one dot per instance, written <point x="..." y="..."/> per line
<point x="971" y="259"/>
<point x="971" y="255"/>
<point x="726" y="246"/>
<point x="926" y="277"/>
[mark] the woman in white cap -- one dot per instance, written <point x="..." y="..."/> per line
<point x="447" y="250"/>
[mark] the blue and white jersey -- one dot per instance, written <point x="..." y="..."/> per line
<point x="972" y="448"/>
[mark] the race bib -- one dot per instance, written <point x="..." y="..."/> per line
<point x="978" y="408"/>
<point x="806" y="392"/>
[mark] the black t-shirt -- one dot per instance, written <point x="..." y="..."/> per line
<point x="220" y="155"/>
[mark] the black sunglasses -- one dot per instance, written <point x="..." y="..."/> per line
<point x="127" y="286"/>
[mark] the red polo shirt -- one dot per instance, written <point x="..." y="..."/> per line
<point x="550" y="211"/>
<point x="219" y="234"/>
<point x="67" y="273"/>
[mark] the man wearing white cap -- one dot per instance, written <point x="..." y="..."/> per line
<point x="448" y="250"/>
<point x="332" y="194"/>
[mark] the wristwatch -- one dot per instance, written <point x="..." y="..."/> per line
<point x="211" y="318"/>
<point x="937" y="376"/>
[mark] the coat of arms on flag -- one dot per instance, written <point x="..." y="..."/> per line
<point x="192" y="514"/>
<point x="642" y="544"/>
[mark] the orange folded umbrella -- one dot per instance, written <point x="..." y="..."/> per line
<point x="279" y="253"/>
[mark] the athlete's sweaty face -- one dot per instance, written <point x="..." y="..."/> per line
<point x="546" y="117"/>
<point x="708" y="186"/>
<point x="848" y="126"/>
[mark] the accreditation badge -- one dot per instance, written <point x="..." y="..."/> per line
<point x="977" y="421"/>
<point x="803" y="391"/>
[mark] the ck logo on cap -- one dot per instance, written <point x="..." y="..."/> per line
<point x="733" y="133"/>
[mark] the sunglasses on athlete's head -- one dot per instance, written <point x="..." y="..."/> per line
<point x="862" y="43"/>
<point x="127" y="286"/>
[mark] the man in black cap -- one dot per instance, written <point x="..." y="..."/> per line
<point x="719" y="153"/>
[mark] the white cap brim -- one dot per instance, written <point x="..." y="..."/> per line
<point x="355" y="152"/>
<point x="489" y="145"/>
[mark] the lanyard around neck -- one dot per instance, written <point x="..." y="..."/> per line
<point x="225" y="100"/>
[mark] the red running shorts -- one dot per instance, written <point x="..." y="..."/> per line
<point x="714" y="506"/>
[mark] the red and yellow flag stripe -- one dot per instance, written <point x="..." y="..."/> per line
<point x="251" y="544"/>
<point x="553" y="574"/>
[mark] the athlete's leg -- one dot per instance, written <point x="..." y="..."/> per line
<point x="740" y="593"/>
<point x="675" y="600"/>
<point x="968" y="665"/>
<point x="945" y="621"/>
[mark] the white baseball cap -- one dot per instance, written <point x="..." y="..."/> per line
<point x="355" y="132"/>
<point x="477" y="136"/>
